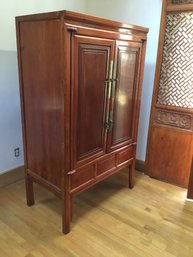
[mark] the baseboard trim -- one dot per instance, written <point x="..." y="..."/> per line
<point x="11" y="176"/>
<point x="140" y="165"/>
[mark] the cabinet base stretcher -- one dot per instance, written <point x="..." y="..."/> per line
<point x="67" y="197"/>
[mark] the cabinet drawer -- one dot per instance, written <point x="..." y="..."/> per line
<point x="124" y="155"/>
<point x="82" y="176"/>
<point x="106" y="165"/>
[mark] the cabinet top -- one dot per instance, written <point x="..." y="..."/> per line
<point x="83" y="19"/>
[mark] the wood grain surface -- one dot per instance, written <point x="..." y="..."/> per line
<point x="80" y="86"/>
<point x="153" y="219"/>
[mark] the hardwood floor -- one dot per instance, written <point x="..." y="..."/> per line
<point x="153" y="219"/>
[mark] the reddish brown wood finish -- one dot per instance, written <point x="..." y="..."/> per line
<point x="68" y="66"/>
<point x="169" y="148"/>
<point x="43" y="97"/>
<point x="125" y="79"/>
<point x="174" y="148"/>
<point x="190" y="183"/>
<point x="106" y="165"/>
<point x="90" y="66"/>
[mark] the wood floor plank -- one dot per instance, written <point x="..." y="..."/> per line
<point x="154" y="219"/>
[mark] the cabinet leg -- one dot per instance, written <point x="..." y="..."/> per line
<point x="131" y="175"/>
<point x="29" y="191"/>
<point x="67" y="213"/>
<point x="71" y="209"/>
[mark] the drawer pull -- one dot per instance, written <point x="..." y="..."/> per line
<point x="72" y="29"/>
<point x="71" y="172"/>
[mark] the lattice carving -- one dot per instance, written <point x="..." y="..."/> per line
<point x="174" y="119"/>
<point x="182" y="1"/>
<point x="176" y="78"/>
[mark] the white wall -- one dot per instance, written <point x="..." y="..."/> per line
<point x="10" y="120"/>
<point x="10" y="9"/>
<point x="147" y="14"/>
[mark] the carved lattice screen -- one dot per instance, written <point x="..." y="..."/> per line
<point x="176" y="78"/>
<point x="170" y="139"/>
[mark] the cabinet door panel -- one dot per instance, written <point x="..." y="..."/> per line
<point x="90" y="69"/>
<point x="124" y="94"/>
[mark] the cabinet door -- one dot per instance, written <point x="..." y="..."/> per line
<point x="124" y="95"/>
<point x="91" y="58"/>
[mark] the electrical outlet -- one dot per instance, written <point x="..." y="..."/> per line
<point x="17" y="152"/>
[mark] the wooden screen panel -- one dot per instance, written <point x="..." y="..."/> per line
<point x="169" y="148"/>
<point x="176" y="78"/>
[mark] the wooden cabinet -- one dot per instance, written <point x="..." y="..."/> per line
<point x="80" y="84"/>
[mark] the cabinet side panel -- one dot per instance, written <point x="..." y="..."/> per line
<point x="42" y="92"/>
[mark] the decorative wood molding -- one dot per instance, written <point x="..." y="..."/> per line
<point x="179" y="8"/>
<point x="174" y="119"/>
<point x="11" y="176"/>
<point x="182" y="1"/>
